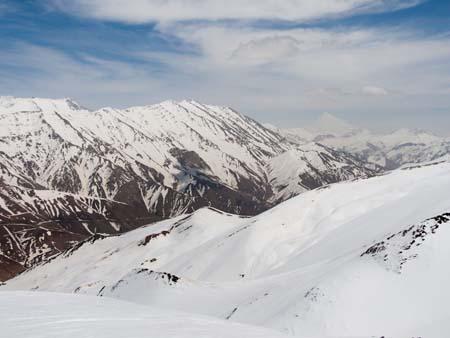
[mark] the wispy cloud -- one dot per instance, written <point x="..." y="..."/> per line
<point x="267" y="49"/>
<point x="323" y="57"/>
<point x="374" y="91"/>
<point x="40" y="71"/>
<point x="275" y="73"/>
<point x="141" y="11"/>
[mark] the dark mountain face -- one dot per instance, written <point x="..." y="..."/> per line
<point x="36" y="225"/>
<point x="67" y="174"/>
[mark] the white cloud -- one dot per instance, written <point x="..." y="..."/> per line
<point x="314" y="80"/>
<point x="374" y="91"/>
<point x="140" y="11"/>
<point x="267" y="49"/>
<point x="46" y="72"/>
<point x="320" y="58"/>
<point x="266" y="72"/>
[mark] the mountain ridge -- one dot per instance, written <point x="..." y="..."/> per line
<point x="389" y="150"/>
<point x="161" y="160"/>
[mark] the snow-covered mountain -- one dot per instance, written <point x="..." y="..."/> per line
<point x="178" y="155"/>
<point x="364" y="258"/>
<point x="155" y="161"/>
<point x="36" y="225"/>
<point x="389" y="150"/>
<point x="310" y="166"/>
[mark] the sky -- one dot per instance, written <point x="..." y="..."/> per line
<point x="381" y="64"/>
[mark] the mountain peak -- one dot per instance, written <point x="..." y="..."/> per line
<point x="73" y="104"/>
<point x="331" y="124"/>
<point x="35" y="104"/>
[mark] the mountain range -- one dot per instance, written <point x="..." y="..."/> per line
<point x="389" y="150"/>
<point x="68" y="173"/>
<point x="194" y="220"/>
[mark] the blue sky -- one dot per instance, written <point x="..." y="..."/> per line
<point x="378" y="63"/>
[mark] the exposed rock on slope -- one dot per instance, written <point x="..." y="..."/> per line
<point x="150" y="163"/>
<point x="36" y="225"/>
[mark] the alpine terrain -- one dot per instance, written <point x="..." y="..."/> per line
<point x="169" y="169"/>
<point x="388" y="150"/>
<point x="67" y="173"/>
<point x="364" y="258"/>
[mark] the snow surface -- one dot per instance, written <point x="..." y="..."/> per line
<point x="51" y="315"/>
<point x="362" y="258"/>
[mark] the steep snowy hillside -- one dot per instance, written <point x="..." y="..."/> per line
<point x="173" y="156"/>
<point x="158" y="161"/>
<point x="57" y="315"/>
<point x="312" y="166"/>
<point x="363" y="258"/>
<point x="390" y="151"/>
<point x="153" y="156"/>
<point x="36" y="225"/>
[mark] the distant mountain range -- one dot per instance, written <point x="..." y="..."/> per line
<point x="68" y="173"/>
<point x="389" y="150"/>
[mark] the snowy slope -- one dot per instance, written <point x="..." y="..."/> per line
<point x="312" y="166"/>
<point x="36" y="225"/>
<point x="158" y="161"/>
<point x="57" y="315"/>
<point x="98" y="153"/>
<point x="362" y="258"/>
<point x="176" y="156"/>
<point x="176" y="153"/>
